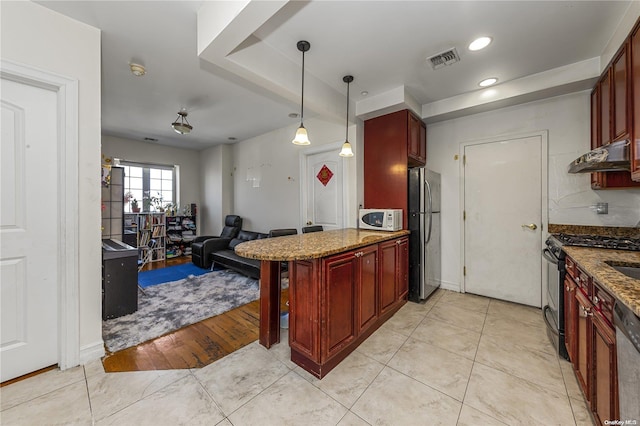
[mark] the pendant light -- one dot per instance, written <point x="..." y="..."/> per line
<point x="346" y="146"/>
<point x="301" y="134"/>
<point x="181" y="125"/>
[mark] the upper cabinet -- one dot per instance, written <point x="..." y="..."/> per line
<point x="635" y="90"/>
<point x="392" y="143"/>
<point x="614" y="116"/>
<point x="417" y="143"/>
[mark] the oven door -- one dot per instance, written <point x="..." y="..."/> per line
<point x="553" y="313"/>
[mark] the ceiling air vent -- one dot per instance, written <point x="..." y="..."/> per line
<point x="443" y="59"/>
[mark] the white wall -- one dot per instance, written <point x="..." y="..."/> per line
<point x="216" y="164"/>
<point x="36" y="36"/>
<point x="276" y="203"/>
<point x="567" y="120"/>
<point x="188" y="161"/>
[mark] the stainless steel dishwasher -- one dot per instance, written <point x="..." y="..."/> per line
<point x="628" y="348"/>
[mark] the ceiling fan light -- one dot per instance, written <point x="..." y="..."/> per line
<point x="301" y="136"/>
<point x="346" y="150"/>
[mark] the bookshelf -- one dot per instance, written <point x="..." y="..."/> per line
<point x="147" y="227"/>
<point x="181" y="230"/>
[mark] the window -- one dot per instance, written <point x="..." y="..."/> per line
<point x="151" y="185"/>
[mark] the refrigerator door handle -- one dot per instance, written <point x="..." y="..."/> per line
<point x="426" y="184"/>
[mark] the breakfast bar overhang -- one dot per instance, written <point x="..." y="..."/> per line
<point x="343" y="284"/>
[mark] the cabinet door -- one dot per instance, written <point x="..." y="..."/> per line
<point x="605" y="108"/>
<point x="583" y="343"/>
<point x="338" y="323"/>
<point x="388" y="274"/>
<point x="596" y="178"/>
<point x="385" y="162"/>
<point x="570" y="318"/>
<point x="417" y="140"/>
<point x="367" y="287"/>
<point x="605" y="383"/>
<point x="635" y="88"/>
<point x="402" y="269"/>
<point x="620" y="93"/>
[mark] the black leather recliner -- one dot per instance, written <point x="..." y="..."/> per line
<point x="202" y="246"/>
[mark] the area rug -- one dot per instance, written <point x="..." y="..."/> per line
<point x="169" y="274"/>
<point x="166" y="307"/>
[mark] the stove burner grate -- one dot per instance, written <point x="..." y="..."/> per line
<point x="598" y="241"/>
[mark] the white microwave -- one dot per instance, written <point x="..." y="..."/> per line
<point x="380" y="219"/>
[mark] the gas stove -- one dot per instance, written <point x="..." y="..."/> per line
<point x="597" y="241"/>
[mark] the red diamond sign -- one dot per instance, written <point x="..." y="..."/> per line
<point x="324" y="175"/>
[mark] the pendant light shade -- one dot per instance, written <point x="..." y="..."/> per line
<point x="346" y="146"/>
<point x="301" y="134"/>
<point x="181" y="125"/>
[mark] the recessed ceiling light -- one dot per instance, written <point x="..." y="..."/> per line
<point x="488" y="82"/>
<point x="231" y="138"/>
<point x="150" y="139"/>
<point x="364" y="93"/>
<point x="294" y="115"/>
<point x="480" y="43"/>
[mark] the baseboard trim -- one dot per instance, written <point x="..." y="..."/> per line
<point x="450" y="286"/>
<point x="91" y="352"/>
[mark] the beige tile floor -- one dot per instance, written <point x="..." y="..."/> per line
<point x="457" y="359"/>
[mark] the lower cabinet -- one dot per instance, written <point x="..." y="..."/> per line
<point x="591" y="343"/>
<point x="605" y="384"/>
<point x="570" y="307"/>
<point x="337" y="301"/>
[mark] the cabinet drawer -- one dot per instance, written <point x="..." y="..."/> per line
<point x="603" y="302"/>
<point x="583" y="281"/>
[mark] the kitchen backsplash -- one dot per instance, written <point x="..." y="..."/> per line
<point x="608" y="231"/>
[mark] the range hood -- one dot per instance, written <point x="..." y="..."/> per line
<point x="607" y="158"/>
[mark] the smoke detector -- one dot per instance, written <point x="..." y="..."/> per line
<point x="443" y="59"/>
<point x="137" y="70"/>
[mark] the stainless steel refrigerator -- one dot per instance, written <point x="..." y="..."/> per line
<point x="424" y="240"/>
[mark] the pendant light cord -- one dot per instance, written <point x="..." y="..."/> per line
<point x="302" y="100"/>
<point x="346" y="136"/>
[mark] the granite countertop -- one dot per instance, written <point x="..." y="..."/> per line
<point x="313" y="245"/>
<point x="592" y="261"/>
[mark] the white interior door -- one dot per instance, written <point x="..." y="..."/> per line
<point x="503" y="206"/>
<point x="322" y="203"/>
<point x="29" y="226"/>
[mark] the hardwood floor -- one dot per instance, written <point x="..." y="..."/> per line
<point x="193" y="346"/>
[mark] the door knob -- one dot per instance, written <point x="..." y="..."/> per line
<point x="531" y="226"/>
<point x="309" y="222"/>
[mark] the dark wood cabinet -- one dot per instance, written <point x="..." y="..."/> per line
<point x="570" y="317"/>
<point x="604" y="403"/>
<point x="605" y="108"/>
<point x="417" y="143"/>
<point x="367" y="288"/>
<point x="591" y="341"/>
<point x="614" y="116"/>
<point x="339" y="302"/>
<point x="336" y="301"/>
<point x="583" y="344"/>
<point x="635" y="103"/>
<point x="392" y="143"/>
<point x="394" y="271"/>
<point x="620" y="82"/>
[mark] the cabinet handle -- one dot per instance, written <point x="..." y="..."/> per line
<point x="595" y="300"/>
<point x="398" y="242"/>
<point x="585" y="312"/>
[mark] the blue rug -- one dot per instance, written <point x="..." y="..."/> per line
<point x="172" y="273"/>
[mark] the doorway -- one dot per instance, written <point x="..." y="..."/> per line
<point x="504" y="215"/>
<point x="39" y="259"/>
<point x="322" y="187"/>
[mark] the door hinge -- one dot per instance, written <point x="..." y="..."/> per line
<point x="464" y="160"/>
<point x="464" y="215"/>
<point x="464" y="271"/>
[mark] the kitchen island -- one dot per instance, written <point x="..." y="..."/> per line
<point x="343" y="285"/>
